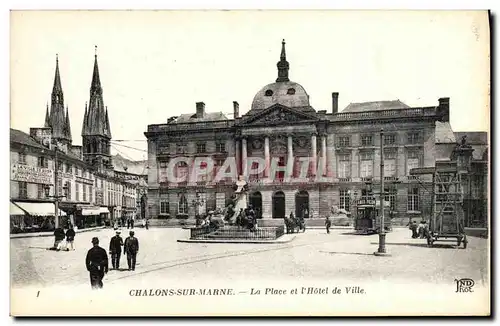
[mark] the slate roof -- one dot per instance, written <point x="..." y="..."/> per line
<point x="209" y="116"/>
<point x="133" y="167"/>
<point x="20" y="137"/>
<point x="444" y="134"/>
<point x="375" y="106"/>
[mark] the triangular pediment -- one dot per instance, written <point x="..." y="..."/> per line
<point x="279" y="114"/>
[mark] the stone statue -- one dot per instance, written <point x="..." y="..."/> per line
<point x="464" y="140"/>
<point x="239" y="200"/>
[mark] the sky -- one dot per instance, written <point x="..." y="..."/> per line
<point x="158" y="64"/>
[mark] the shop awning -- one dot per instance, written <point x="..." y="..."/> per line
<point x="104" y="210"/>
<point x="39" y="209"/>
<point x="15" y="210"/>
<point x="90" y="211"/>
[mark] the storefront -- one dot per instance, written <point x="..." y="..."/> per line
<point x="33" y="216"/>
<point x="88" y="216"/>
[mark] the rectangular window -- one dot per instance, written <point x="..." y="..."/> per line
<point x="163" y="176"/>
<point x="200" y="148"/>
<point x="182" y="205"/>
<point x="40" y="192"/>
<point x="60" y="166"/>
<point x="345" y="199"/>
<point x="42" y="162"/>
<point x="344" y="166"/>
<point x="366" y="166"/>
<point x="68" y="193"/>
<point x="344" y="141"/>
<point x="77" y="191"/>
<point x="366" y="141"/>
<point x="181" y="148"/>
<point x="164" y="207"/>
<point x="84" y="192"/>
<point x="22" y="158"/>
<point x="414" y="138"/>
<point x="182" y="170"/>
<point x="23" y="189"/>
<point x="412" y="162"/>
<point x="389" y="139"/>
<point x="413" y="202"/>
<point x="390" y="196"/>
<point x="389" y="164"/>
<point x="220" y="147"/>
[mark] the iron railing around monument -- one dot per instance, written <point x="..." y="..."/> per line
<point x="236" y="233"/>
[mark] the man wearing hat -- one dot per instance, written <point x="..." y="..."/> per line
<point x="115" y="249"/>
<point x="97" y="264"/>
<point x="131" y="248"/>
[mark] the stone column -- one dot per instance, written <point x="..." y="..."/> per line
<point x="267" y="156"/>
<point x="237" y="157"/>
<point x="289" y="163"/>
<point x="314" y="155"/>
<point x="323" y="154"/>
<point x="244" y="168"/>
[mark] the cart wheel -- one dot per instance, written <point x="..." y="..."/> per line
<point x="459" y="241"/>
<point x="430" y="241"/>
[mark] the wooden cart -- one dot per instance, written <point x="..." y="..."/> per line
<point x="446" y="221"/>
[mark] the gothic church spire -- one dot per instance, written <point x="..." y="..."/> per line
<point x="57" y="119"/>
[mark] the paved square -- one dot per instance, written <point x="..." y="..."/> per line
<point x="313" y="255"/>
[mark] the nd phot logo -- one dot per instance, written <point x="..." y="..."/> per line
<point x="464" y="285"/>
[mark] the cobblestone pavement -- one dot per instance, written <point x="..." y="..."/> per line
<point x="312" y="255"/>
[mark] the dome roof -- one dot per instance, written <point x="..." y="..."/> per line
<point x="287" y="93"/>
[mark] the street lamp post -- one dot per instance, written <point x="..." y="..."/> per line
<point x="381" y="235"/>
<point x="57" y="199"/>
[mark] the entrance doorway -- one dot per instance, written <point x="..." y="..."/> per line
<point x="302" y="204"/>
<point x="279" y="204"/>
<point x="255" y="200"/>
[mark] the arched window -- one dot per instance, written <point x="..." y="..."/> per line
<point x="269" y="92"/>
<point x="183" y="205"/>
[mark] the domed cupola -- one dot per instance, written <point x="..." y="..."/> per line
<point x="283" y="91"/>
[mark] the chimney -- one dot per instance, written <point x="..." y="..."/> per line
<point x="236" y="110"/>
<point x="443" y="110"/>
<point x="42" y="135"/>
<point x="335" y="102"/>
<point x="200" y="109"/>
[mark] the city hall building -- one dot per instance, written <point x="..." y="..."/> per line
<point x="281" y="125"/>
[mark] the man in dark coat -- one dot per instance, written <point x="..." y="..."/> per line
<point x="59" y="236"/>
<point x="328" y="224"/>
<point x="115" y="250"/>
<point x="97" y="264"/>
<point x="70" y="238"/>
<point x="131" y="248"/>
